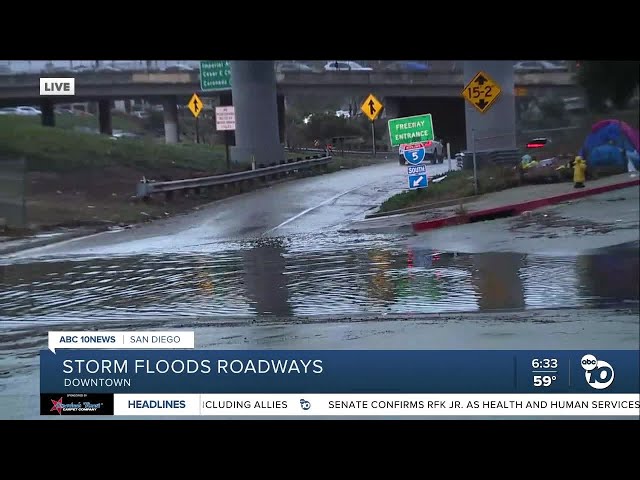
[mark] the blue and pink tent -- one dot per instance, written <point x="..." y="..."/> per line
<point x="611" y="143"/>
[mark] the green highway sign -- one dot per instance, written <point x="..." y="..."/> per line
<point x="215" y="75"/>
<point x="418" y="128"/>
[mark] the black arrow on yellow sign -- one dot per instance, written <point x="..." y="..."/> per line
<point x="480" y="80"/>
<point x="482" y="103"/>
<point x="195" y="106"/>
<point x="372" y="108"/>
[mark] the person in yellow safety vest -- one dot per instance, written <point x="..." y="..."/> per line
<point x="579" y="170"/>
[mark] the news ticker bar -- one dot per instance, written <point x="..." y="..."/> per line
<point x="258" y="372"/>
<point x="387" y="405"/>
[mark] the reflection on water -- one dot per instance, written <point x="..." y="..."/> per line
<point x="499" y="281"/>
<point x="272" y="277"/>
<point x="265" y="282"/>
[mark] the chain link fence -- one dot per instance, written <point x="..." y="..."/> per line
<point x="552" y="141"/>
<point x="508" y="147"/>
<point x="13" y="182"/>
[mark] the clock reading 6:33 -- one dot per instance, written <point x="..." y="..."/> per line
<point x="544" y="363"/>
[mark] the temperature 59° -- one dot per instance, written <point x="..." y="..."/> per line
<point x="543" y="380"/>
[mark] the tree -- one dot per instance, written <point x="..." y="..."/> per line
<point x="609" y="80"/>
<point x="324" y="127"/>
<point x="553" y="111"/>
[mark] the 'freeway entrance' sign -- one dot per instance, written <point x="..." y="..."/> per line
<point x="215" y="75"/>
<point x="418" y="128"/>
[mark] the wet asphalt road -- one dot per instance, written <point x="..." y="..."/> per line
<point x="310" y="206"/>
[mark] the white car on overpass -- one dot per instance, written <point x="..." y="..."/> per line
<point x="28" y="111"/>
<point x="342" y="66"/>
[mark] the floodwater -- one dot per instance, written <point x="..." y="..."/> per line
<point x="287" y="252"/>
<point x="308" y="275"/>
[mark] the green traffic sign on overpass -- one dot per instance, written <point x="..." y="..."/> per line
<point x="215" y="75"/>
<point x="418" y="128"/>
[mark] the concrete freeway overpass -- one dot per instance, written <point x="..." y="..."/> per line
<point x="402" y="93"/>
<point x="117" y="85"/>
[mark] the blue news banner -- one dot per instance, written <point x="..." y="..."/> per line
<point x="342" y="371"/>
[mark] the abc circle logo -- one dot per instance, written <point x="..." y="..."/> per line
<point x="598" y="373"/>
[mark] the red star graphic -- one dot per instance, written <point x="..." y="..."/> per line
<point x="57" y="406"/>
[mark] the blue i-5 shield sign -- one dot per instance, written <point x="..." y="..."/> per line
<point x="414" y="153"/>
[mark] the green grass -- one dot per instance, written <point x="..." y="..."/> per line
<point x="60" y="149"/>
<point x="458" y="184"/>
<point x="69" y="121"/>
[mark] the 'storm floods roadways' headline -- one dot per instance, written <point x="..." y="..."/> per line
<point x="222" y="366"/>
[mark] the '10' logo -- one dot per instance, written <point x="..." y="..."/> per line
<point x="598" y="373"/>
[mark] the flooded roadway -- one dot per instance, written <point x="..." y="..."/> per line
<point x="286" y="278"/>
<point x="285" y="252"/>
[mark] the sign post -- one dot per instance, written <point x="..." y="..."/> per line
<point x="372" y="108"/>
<point x="373" y="137"/>
<point x="195" y="105"/>
<point x="226" y="122"/>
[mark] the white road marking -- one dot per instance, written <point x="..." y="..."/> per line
<point x="304" y="212"/>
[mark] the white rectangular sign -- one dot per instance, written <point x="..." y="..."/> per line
<point x="57" y="86"/>
<point x="225" y="118"/>
<point x="117" y="340"/>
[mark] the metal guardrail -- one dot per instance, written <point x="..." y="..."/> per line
<point x="336" y="151"/>
<point x="145" y="189"/>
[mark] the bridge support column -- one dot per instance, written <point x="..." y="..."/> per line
<point x="48" y="114"/>
<point x="170" y="109"/>
<point x="104" y="117"/>
<point x="494" y="130"/>
<point x="256" y="107"/>
<point x="391" y="108"/>
<point x="282" y="119"/>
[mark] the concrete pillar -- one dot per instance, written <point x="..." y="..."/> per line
<point x="48" y="114"/>
<point x="391" y="108"/>
<point x="120" y="105"/>
<point x="104" y="116"/>
<point x="496" y="128"/>
<point x="282" y="119"/>
<point x="170" y="109"/>
<point x="256" y="108"/>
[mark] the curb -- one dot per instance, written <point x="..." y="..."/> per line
<point x="424" y="207"/>
<point x="517" y="208"/>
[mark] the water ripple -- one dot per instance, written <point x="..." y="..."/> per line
<point x="316" y="276"/>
